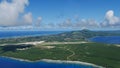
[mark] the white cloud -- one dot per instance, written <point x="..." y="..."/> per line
<point x="111" y="19"/>
<point x="28" y="18"/>
<point x="10" y="11"/>
<point x="66" y="24"/>
<point x="88" y="23"/>
<point x="109" y="14"/>
<point x="39" y="19"/>
<point x="10" y="15"/>
<point x="38" y="22"/>
<point x="17" y="28"/>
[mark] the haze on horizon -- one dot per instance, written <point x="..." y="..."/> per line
<point x="59" y="14"/>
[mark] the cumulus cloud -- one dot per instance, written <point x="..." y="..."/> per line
<point x="90" y="23"/>
<point x="39" y="19"/>
<point x="38" y="22"/>
<point x="66" y="23"/>
<point x="83" y="23"/>
<point x="28" y="18"/>
<point x="17" y="28"/>
<point x="10" y="11"/>
<point x="12" y="14"/>
<point x="111" y="19"/>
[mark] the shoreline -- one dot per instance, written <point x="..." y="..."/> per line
<point x="56" y="61"/>
<point x="71" y="62"/>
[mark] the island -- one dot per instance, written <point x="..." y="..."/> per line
<point x="67" y="46"/>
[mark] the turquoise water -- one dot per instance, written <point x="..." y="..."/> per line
<point x="106" y="39"/>
<point x="10" y="63"/>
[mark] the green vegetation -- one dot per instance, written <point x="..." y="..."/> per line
<point x="73" y="36"/>
<point x="101" y="54"/>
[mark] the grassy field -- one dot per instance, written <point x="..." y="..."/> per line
<point x="101" y="54"/>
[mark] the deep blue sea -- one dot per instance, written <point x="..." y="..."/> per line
<point x="106" y="39"/>
<point x="10" y="63"/>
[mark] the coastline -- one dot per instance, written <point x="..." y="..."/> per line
<point x="56" y="61"/>
<point x="71" y="62"/>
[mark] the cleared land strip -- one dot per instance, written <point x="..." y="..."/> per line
<point x="44" y="43"/>
<point x="50" y="43"/>
<point x="26" y="43"/>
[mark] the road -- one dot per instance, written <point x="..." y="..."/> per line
<point x="73" y="53"/>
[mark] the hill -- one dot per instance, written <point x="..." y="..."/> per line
<point x="73" y="36"/>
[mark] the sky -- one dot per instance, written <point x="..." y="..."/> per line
<point x="59" y="14"/>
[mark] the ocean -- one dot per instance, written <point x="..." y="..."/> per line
<point x="106" y="39"/>
<point x="11" y="34"/>
<point x="10" y="63"/>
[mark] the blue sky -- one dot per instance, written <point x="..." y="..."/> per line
<point x="69" y="8"/>
<point x="59" y="14"/>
